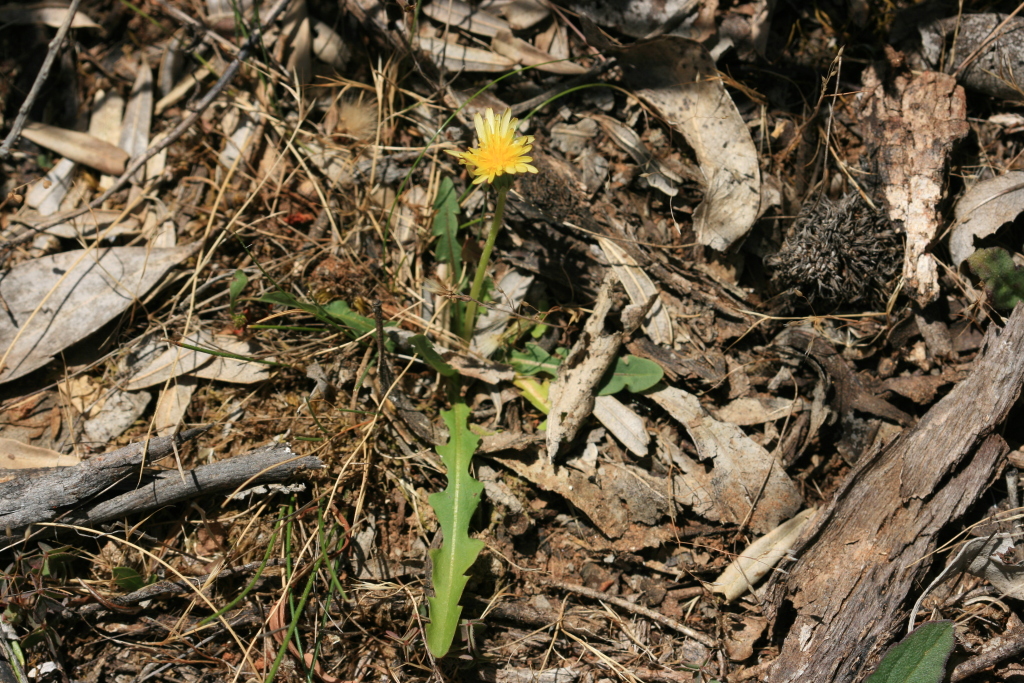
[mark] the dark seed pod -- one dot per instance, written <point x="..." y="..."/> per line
<point x="839" y="252"/>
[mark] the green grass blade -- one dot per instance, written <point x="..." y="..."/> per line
<point x="454" y="507"/>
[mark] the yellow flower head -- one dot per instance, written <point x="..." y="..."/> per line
<point x="500" y="151"/>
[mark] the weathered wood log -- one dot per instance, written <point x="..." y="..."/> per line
<point x="70" y="494"/>
<point x="273" y="463"/>
<point x="29" y="500"/>
<point x="869" y="549"/>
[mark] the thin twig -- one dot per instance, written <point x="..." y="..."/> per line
<point x="165" y="142"/>
<point x="44" y="73"/>
<point x="701" y="638"/>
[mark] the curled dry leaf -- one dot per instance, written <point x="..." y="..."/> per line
<point x="678" y="79"/>
<point x="985" y="207"/>
<point x="138" y="114"/>
<point x="58" y="300"/>
<point x="81" y="147"/>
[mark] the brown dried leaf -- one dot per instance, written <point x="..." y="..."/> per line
<point x="15" y="455"/>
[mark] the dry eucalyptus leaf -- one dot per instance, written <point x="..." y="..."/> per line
<point x="52" y="14"/>
<point x="624" y="424"/>
<point x="463" y="57"/>
<point x="522" y="52"/>
<point x="138" y="114"/>
<point x="757" y="559"/>
<point x="328" y="46"/>
<point x="46" y="195"/>
<point x="172" y="404"/>
<point x="524" y="14"/>
<point x="176" y="361"/>
<point x="15" y="455"/>
<point x="740" y="467"/>
<point x="233" y="370"/>
<point x="80" y="147"/>
<point x="640" y="288"/>
<point x="749" y="410"/>
<point x="97" y="221"/>
<point x="678" y="78"/>
<point x="508" y="296"/>
<point x="105" y="119"/>
<point x="58" y="300"/>
<point x="458" y="14"/>
<point x="982" y="209"/>
<point x="296" y="41"/>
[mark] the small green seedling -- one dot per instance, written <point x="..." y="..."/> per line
<point x="1003" y="280"/>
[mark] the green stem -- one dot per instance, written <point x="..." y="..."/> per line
<point x="469" y="321"/>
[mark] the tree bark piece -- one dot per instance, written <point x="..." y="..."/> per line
<point x="866" y="552"/>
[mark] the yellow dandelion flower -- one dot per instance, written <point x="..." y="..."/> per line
<point x="500" y="151"/>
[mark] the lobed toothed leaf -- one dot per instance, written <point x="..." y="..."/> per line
<point x="454" y="508"/>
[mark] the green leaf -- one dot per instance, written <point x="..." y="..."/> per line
<point x="535" y="360"/>
<point x="1003" y="280"/>
<point x="239" y="281"/>
<point x="127" y="579"/>
<point x="920" y="657"/>
<point x="446" y="227"/>
<point x="535" y="392"/>
<point x="638" y="374"/>
<point x="337" y="313"/>
<point x="454" y="507"/>
<point x="359" y="324"/>
<point x="426" y="351"/>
